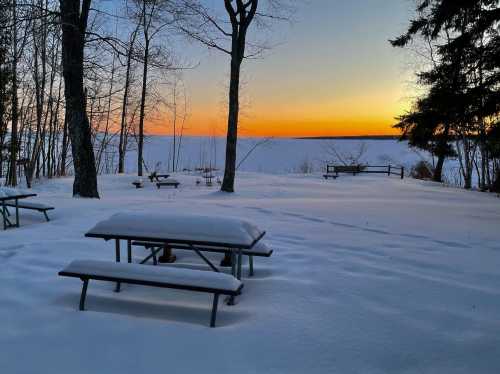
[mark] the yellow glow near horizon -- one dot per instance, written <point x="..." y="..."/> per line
<point x="352" y="116"/>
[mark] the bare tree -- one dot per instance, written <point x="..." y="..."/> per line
<point x="353" y="156"/>
<point x="126" y="91"/>
<point x="154" y="16"/>
<point x="212" y="32"/>
<point x="74" y="17"/>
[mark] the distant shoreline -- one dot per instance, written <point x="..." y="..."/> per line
<point x="347" y="137"/>
<point x="361" y="137"/>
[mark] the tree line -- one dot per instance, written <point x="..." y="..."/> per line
<point x="457" y="114"/>
<point x="80" y="80"/>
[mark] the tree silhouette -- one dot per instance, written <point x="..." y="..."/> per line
<point x="74" y="17"/>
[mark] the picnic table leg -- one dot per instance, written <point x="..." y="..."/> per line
<point x="4" y="215"/>
<point x="17" y="212"/>
<point x="235" y="270"/>
<point x="250" y="265"/>
<point x="167" y="257"/>
<point x="232" y="257"/>
<point x="117" y="252"/>
<point x="214" y="310"/>
<point x="240" y="259"/>
<point x="84" y="294"/>
<point x="232" y="260"/>
<point x="227" y="260"/>
<point x="153" y="253"/>
<point x="129" y="251"/>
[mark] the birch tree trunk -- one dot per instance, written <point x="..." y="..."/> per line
<point x="12" y="174"/>
<point x="122" y="145"/>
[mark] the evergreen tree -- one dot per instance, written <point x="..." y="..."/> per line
<point x="462" y="100"/>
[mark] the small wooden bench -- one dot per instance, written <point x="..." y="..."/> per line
<point x="154" y="276"/>
<point x="354" y="169"/>
<point x="42" y="208"/>
<point x="138" y="184"/>
<point x="332" y="171"/>
<point x="259" y="250"/>
<point x="168" y="182"/>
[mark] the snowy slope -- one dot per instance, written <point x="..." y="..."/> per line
<point x="370" y="274"/>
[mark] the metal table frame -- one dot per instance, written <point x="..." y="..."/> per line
<point x="5" y="213"/>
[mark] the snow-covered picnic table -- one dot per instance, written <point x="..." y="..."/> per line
<point x="195" y="231"/>
<point x="11" y="194"/>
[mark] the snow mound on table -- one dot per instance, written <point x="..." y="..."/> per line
<point x="8" y="191"/>
<point x="179" y="227"/>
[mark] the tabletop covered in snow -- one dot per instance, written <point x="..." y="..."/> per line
<point x="179" y="228"/>
<point x="7" y="192"/>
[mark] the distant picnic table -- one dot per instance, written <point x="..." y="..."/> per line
<point x="155" y="177"/>
<point x="207" y="174"/>
<point x="4" y="200"/>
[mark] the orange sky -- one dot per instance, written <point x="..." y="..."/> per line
<point x="371" y="113"/>
<point x="331" y="73"/>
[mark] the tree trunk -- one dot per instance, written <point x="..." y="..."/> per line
<point x="240" y="18"/>
<point x="64" y="149"/>
<point x="12" y="174"/>
<point x="74" y="25"/>
<point x="140" y="144"/>
<point x="441" y="152"/>
<point x="232" y="126"/>
<point x="123" y="124"/>
<point x="438" y="170"/>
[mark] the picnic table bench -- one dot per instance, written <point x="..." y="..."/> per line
<point x="332" y="171"/>
<point x="31" y="205"/>
<point x="168" y="182"/>
<point x="138" y="184"/>
<point x="259" y="250"/>
<point x="181" y="279"/>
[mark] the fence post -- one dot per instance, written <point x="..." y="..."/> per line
<point x="389" y="170"/>
<point x="402" y="172"/>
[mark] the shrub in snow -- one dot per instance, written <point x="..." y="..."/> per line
<point x="422" y="170"/>
<point x="306" y="167"/>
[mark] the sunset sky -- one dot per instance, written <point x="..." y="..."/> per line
<point x="332" y="72"/>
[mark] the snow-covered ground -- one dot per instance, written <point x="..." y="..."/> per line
<point x="370" y="274"/>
